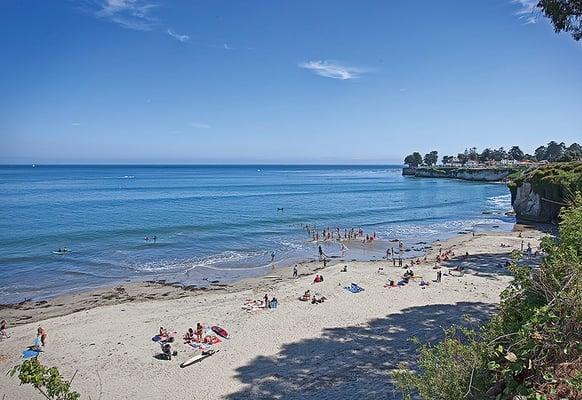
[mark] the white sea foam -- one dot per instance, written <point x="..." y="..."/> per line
<point x="502" y="202"/>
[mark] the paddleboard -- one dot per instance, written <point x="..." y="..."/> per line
<point x="197" y="358"/>
<point x="60" y="253"/>
<point x="220" y="331"/>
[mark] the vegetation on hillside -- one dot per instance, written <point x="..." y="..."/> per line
<point x="532" y="349"/>
<point x="555" y="182"/>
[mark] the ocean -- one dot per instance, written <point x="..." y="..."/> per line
<point x="213" y="222"/>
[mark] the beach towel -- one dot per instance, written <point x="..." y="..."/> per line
<point x="354" y="288"/>
<point x="253" y="305"/>
<point x="159" y="338"/>
<point x="30" y="353"/>
<point x="201" y="346"/>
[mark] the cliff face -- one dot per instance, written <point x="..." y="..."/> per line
<point x="531" y="206"/>
<point x="539" y="194"/>
<point x="469" y="174"/>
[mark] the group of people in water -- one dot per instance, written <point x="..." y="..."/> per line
<point x="328" y="234"/>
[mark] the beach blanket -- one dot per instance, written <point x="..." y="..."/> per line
<point x="200" y="346"/>
<point x="253" y="305"/>
<point x="30" y="353"/>
<point x="354" y="288"/>
<point x="159" y="338"/>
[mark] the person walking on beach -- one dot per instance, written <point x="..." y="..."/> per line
<point x="522" y="246"/>
<point x="529" y="251"/>
<point x="295" y="271"/>
<point x="439" y="276"/>
<point x="3" y="329"/>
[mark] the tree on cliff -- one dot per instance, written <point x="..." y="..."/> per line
<point x="413" y="160"/>
<point x="499" y="154"/>
<point x="565" y="15"/>
<point x="486" y="155"/>
<point x="472" y="154"/>
<point x="515" y="153"/>
<point x="431" y="158"/>
<point x="572" y="153"/>
<point x="540" y="153"/>
<point x="463" y="157"/>
<point x="555" y="151"/>
<point x="447" y="159"/>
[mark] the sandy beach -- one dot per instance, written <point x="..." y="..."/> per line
<point x="345" y="347"/>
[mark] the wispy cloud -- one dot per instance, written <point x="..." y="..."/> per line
<point x="75" y="124"/>
<point x="331" y="69"/>
<point x="526" y="11"/>
<point x="130" y="14"/>
<point x="199" y="125"/>
<point x="177" y="36"/>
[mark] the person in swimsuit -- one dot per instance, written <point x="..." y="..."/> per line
<point x="189" y="336"/>
<point x="39" y="340"/>
<point x="199" y="331"/>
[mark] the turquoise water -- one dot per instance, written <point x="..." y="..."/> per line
<point x="211" y="222"/>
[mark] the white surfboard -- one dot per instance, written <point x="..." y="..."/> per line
<point x="197" y="358"/>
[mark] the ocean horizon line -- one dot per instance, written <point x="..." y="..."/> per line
<point x="201" y="165"/>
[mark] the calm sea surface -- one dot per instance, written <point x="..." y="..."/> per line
<point x="211" y="222"/>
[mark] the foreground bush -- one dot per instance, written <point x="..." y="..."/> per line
<point x="46" y="380"/>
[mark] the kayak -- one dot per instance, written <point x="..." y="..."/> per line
<point x="62" y="252"/>
<point x="220" y="331"/>
<point x="198" y="357"/>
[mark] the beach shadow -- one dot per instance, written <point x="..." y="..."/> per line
<point x="490" y="265"/>
<point x="352" y="362"/>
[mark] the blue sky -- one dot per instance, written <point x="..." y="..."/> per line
<point x="164" y="81"/>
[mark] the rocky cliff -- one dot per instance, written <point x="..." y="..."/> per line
<point x="469" y="174"/>
<point x="539" y="194"/>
